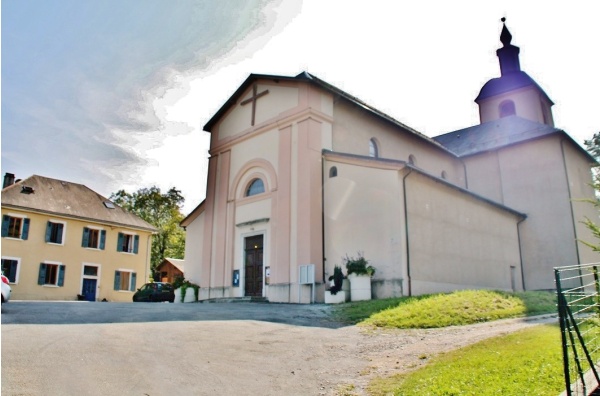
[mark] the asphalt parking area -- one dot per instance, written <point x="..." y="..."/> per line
<point x="81" y="312"/>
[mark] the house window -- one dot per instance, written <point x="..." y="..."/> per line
<point x="256" y="187"/>
<point x="373" y="149"/>
<point x="10" y="268"/>
<point x="333" y="171"/>
<point x="54" y="232"/>
<point x="51" y="275"/>
<point x="125" y="280"/>
<point x="93" y="238"/>
<point x="128" y="243"/>
<point x="15" y="227"/>
<point x="507" y="108"/>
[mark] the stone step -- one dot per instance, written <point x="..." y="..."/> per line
<point x="235" y="300"/>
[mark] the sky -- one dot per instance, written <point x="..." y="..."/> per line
<point x="114" y="94"/>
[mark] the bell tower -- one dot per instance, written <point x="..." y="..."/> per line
<point x="514" y="92"/>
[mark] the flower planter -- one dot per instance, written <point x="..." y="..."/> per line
<point x="346" y="288"/>
<point x="339" y="297"/>
<point x="360" y="287"/>
<point x="190" y="296"/>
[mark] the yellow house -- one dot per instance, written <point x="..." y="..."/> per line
<point x="63" y="241"/>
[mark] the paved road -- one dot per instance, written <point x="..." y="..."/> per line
<point x="81" y="348"/>
<point x="80" y="312"/>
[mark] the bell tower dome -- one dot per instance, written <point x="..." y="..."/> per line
<point x="514" y="92"/>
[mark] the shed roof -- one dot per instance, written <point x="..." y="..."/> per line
<point x="61" y="198"/>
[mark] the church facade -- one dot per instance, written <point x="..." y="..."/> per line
<point x="301" y="173"/>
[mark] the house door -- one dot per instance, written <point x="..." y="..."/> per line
<point x="253" y="266"/>
<point x="89" y="289"/>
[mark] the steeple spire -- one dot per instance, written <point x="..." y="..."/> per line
<point x="508" y="54"/>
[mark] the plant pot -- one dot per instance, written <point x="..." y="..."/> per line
<point x="360" y="287"/>
<point x="190" y="296"/>
<point x="339" y="297"/>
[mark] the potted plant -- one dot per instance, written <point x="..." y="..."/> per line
<point x="182" y="294"/>
<point x="359" y="273"/>
<point x="334" y="294"/>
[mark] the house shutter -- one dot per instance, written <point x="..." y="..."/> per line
<point x="60" y="233"/>
<point x="120" y="242"/>
<point x="25" y="233"/>
<point x="136" y="243"/>
<point x="117" y="280"/>
<point x="86" y="237"/>
<point x="5" y="223"/>
<point x="48" y="231"/>
<point x="42" y="274"/>
<point x="133" y="276"/>
<point x="61" y="275"/>
<point x="102" y="239"/>
<point x="13" y="271"/>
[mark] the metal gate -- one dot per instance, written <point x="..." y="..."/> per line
<point x="578" y="292"/>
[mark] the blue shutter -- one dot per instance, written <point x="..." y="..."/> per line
<point x="102" y="239"/>
<point x="42" y="274"/>
<point x="136" y="243"/>
<point x="86" y="237"/>
<point x="60" y="233"/>
<point x="117" y="280"/>
<point x="5" y="223"/>
<point x="120" y="242"/>
<point x="48" y="231"/>
<point x="132" y="286"/>
<point x="61" y="275"/>
<point x="13" y="271"/>
<point x="25" y="233"/>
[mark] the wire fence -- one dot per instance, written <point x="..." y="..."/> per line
<point x="578" y="293"/>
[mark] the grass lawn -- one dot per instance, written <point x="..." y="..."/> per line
<point x="449" y="309"/>
<point x="528" y="362"/>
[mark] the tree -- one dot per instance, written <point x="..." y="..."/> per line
<point x="163" y="211"/>
<point x="593" y="147"/>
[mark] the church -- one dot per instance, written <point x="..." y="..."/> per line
<point x="301" y="174"/>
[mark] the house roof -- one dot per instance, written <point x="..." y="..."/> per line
<point x="61" y="198"/>
<point x="177" y="263"/>
<point x="496" y="134"/>
<point x="306" y="77"/>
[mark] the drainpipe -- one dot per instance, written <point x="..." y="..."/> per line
<point x="323" y="214"/>
<point x="406" y="231"/>
<point x="521" y="251"/>
<point x="148" y="252"/>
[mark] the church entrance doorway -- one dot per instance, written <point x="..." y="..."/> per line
<point x="253" y="266"/>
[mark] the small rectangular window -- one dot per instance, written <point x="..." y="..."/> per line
<point x="15" y="227"/>
<point x="125" y="280"/>
<point x="90" y="270"/>
<point x="51" y="274"/>
<point x="10" y="268"/>
<point x="54" y="232"/>
<point x="93" y="238"/>
<point x="128" y="243"/>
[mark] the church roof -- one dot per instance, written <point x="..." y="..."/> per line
<point x="506" y="83"/>
<point x="61" y="198"/>
<point x="496" y="134"/>
<point x="307" y="77"/>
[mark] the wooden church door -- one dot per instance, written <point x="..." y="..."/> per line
<point x="253" y="267"/>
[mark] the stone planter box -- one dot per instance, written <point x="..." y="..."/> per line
<point x="339" y="297"/>
<point x="346" y="288"/>
<point x="189" y="295"/>
<point x="360" y="287"/>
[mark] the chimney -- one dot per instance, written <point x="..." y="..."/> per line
<point x="9" y="180"/>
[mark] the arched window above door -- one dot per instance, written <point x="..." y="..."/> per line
<point x="257" y="186"/>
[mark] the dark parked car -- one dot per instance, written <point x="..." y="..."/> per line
<point x="155" y="291"/>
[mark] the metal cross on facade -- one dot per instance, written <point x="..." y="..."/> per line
<point x="253" y="98"/>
